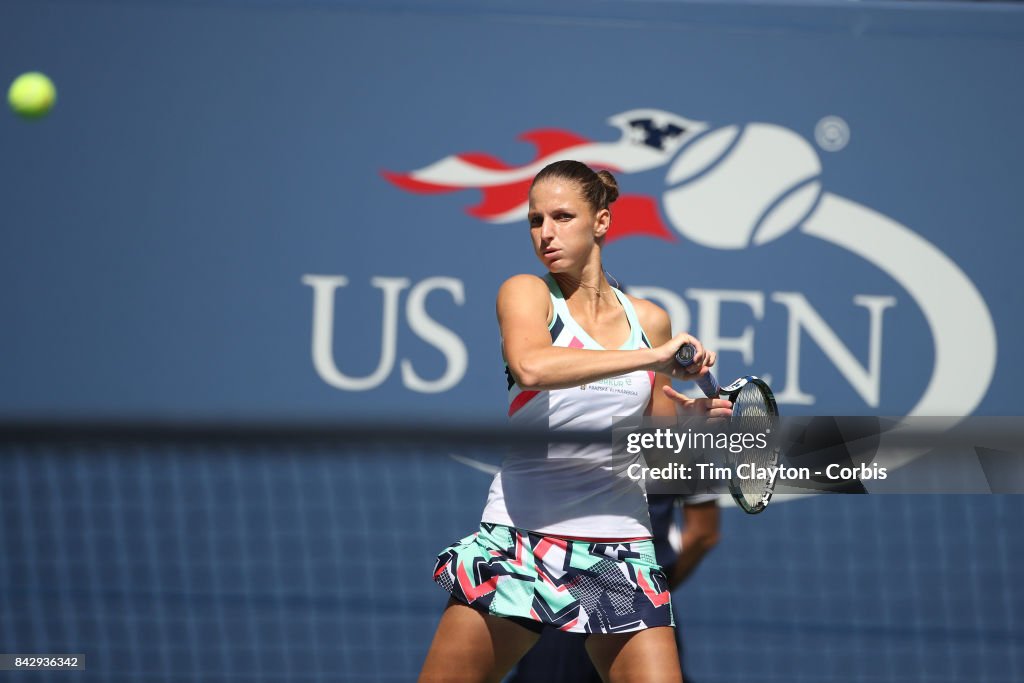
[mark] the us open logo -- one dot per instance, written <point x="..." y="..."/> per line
<point x="740" y="187"/>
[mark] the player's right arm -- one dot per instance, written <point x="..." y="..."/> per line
<point x="524" y="312"/>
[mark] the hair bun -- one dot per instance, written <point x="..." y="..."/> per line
<point x="611" y="186"/>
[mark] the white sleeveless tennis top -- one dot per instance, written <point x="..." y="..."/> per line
<point x="569" y="489"/>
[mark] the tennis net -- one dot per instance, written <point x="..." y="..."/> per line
<point x="305" y="554"/>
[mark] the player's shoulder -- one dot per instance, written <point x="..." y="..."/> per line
<point x="524" y="295"/>
<point x="523" y="284"/>
<point x="653" y="319"/>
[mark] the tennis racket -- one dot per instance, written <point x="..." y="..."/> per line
<point x="753" y="410"/>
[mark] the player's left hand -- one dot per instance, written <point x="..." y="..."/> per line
<point x="712" y="408"/>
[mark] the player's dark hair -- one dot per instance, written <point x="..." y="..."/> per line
<point x="599" y="189"/>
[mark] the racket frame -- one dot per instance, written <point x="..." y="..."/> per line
<point x="712" y="389"/>
<point x="731" y="392"/>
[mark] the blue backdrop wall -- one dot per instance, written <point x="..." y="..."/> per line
<point x="212" y="168"/>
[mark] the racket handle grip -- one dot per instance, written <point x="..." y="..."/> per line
<point x="709" y="385"/>
<point x="707" y="382"/>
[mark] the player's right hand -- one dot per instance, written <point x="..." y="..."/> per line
<point x="666" y="363"/>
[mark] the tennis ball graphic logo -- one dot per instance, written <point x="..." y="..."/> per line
<point x="737" y="187"/>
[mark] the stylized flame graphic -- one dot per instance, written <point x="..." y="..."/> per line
<point x="648" y="139"/>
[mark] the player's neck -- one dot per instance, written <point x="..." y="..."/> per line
<point x="588" y="289"/>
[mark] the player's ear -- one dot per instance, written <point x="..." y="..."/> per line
<point x="602" y="222"/>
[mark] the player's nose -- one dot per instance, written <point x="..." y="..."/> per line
<point x="547" y="229"/>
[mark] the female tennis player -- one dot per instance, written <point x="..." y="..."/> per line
<point x="564" y="542"/>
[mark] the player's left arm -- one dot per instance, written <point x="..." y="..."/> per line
<point x="664" y="399"/>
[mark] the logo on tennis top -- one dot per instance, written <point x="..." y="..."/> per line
<point x="739" y="187"/>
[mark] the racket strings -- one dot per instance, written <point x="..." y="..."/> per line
<point x="752" y="415"/>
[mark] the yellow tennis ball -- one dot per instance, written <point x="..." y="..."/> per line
<point x="32" y="95"/>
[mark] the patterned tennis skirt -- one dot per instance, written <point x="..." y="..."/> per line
<point x="579" y="586"/>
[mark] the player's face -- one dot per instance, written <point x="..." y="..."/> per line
<point x="563" y="227"/>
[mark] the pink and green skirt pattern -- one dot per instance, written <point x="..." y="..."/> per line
<point x="579" y="586"/>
